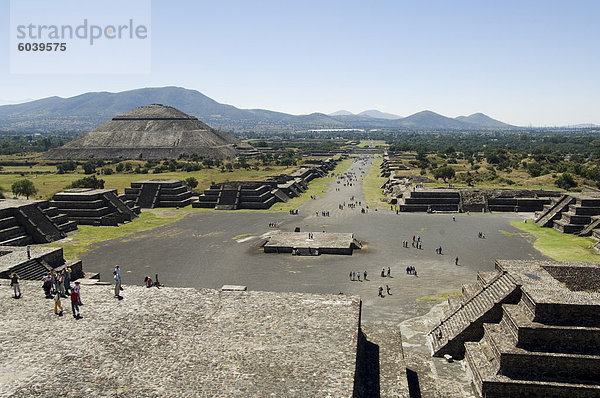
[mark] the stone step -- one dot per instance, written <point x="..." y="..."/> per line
<point x="19" y="240"/>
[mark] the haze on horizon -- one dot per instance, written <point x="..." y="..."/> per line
<point x="525" y="63"/>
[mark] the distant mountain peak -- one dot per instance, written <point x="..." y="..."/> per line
<point x="379" y="115"/>
<point x="341" y="113"/>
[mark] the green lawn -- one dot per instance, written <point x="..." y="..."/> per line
<point x="558" y="246"/>
<point x="367" y="143"/>
<point x="372" y="183"/>
<point x="49" y="184"/>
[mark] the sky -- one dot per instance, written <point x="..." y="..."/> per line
<point x="522" y="62"/>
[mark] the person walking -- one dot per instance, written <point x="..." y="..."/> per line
<point x="75" y="303"/>
<point x="28" y="252"/>
<point x="14" y="282"/>
<point x="456" y="261"/>
<point x="380" y="291"/>
<point x="57" y="304"/>
<point x="77" y="289"/>
<point x="387" y="289"/>
<point x="117" y="278"/>
<point x="350" y="275"/>
<point x="389" y="272"/>
<point x="365" y="274"/>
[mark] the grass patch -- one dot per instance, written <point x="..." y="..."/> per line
<point x="48" y="183"/>
<point x="559" y="246"/>
<point x="376" y="143"/>
<point x="316" y="187"/>
<point x="81" y="240"/>
<point x="372" y="183"/>
<point x="439" y="296"/>
<point x="241" y="236"/>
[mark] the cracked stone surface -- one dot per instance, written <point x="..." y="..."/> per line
<point x="178" y="342"/>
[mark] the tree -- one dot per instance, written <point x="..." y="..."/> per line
<point x="566" y="181"/>
<point x="534" y="169"/>
<point x="88" y="182"/>
<point x="23" y="187"/>
<point x="191" y="182"/>
<point x="444" y="172"/>
<point x="89" y="167"/>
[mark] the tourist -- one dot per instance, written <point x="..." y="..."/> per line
<point x="57" y="304"/>
<point x="148" y="281"/>
<point x="453" y="218"/>
<point x="389" y="272"/>
<point x="358" y="275"/>
<point x="365" y="274"/>
<point x="407" y="270"/>
<point x="380" y="291"/>
<point x="54" y="282"/>
<point x="383" y="272"/>
<point x="75" y="303"/>
<point x="350" y="275"/>
<point x="47" y="284"/>
<point x="456" y="261"/>
<point x="353" y="275"/>
<point x="28" y="252"/>
<point x="61" y="285"/>
<point x="387" y="289"/>
<point x="77" y="289"/>
<point x="67" y="279"/>
<point x="14" y="282"/>
<point x="117" y="278"/>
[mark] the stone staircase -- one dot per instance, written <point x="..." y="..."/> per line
<point x="148" y="196"/>
<point x="520" y="357"/>
<point x="31" y="269"/>
<point x="465" y="322"/>
<point x="435" y="200"/>
<point x="553" y="211"/>
<point x="59" y="219"/>
<point x="228" y="199"/>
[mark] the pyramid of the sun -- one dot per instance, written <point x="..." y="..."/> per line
<point x="151" y="132"/>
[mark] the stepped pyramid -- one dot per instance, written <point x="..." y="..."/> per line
<point x="152" y="132"/>
<point x="529" y="328"/>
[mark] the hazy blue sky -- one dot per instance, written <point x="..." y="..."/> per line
<point x="523" y="62"/>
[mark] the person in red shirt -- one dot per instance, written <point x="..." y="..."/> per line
<point x="75" y="304"/>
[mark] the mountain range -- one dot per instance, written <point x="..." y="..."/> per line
<point x="87" y="111"/>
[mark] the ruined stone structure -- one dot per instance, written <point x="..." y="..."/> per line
<point x="94" y="206"/>
<point x="529" y="328"/>
<point x="43" y="259"/>
<point x="24" y="222"/>
<point x="149" y="194"/>
<point x="465" y="199"/>
<point x="152" y="132"/>
<point x="319" y="243"/>
<point x="573" y="213"/>
<point x="233" y="195"/>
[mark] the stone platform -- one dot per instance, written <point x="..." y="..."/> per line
<point x="180" y="342"/>
<point x="299" y="243"/>
<point x="43" y="259"/>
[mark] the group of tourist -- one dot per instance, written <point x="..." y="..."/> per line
<point x="411" y="270"/>
<point x="273" y="225"/>
<point x="389" y="272"/>
<point x="355" y="276"/>
<point x="294" y="212"/>
<point x="387" y="289"/>
<point x="57" y="285"/>
<point x="324" y="213"/>
<point x="60" y="282"/>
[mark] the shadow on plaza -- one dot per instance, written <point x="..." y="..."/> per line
<point x="366" y="378"/>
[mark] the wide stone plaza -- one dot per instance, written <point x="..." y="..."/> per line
<point x="206" y="250"/>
